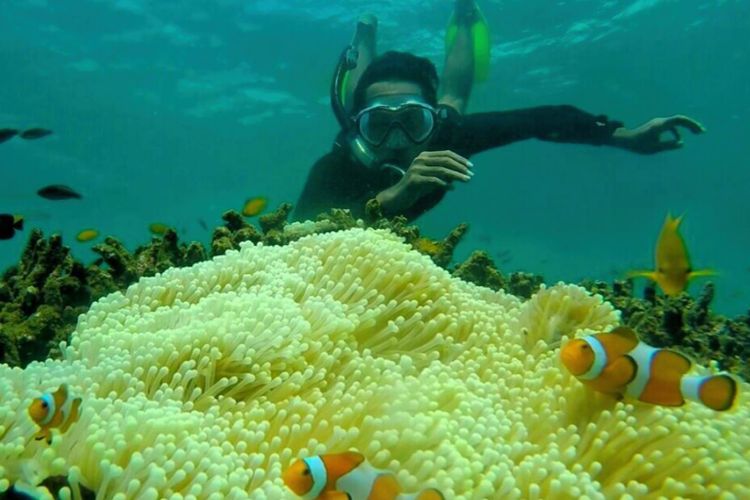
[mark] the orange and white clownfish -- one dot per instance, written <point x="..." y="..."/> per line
<point x="618" y="363"/>
<point x="346" y="476"/>
<point x="55" y="410"/>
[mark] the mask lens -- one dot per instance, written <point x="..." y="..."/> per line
<point x="415" y="120"/>
<point x="375" y="124"/>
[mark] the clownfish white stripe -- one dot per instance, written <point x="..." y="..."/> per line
<point x="642" y="354"/>
<point x="691" y="386"/>
<point x="319" y="476"/>
<point x="359" y="481"/>
<point x="51" y="409"/>
<point x="65" y="410"/>
<point x="600" y="358"/>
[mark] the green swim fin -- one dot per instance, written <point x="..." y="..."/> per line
<point x="480" y="34"/>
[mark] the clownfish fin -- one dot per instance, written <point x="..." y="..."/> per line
<point x="334" y="495"/>
<point x="430" y="494"/>
<point x="668" y="359"/>
<point x="385" y="487"/>
<point x="620" y="340"/>
<point x="44" y="434"/>
<point x="620" y="372"/>
<point x="625" y="332"/>
<point x="718" y="392"/>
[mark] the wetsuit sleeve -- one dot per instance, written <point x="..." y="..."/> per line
<point x="478" y="132"/>
<point x="326" y="187"/>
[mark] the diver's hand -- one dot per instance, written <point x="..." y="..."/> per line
<point x="646" y="139"/>
<point x="429" y="171"/>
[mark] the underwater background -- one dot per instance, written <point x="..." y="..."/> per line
<point x="175" y="113"/>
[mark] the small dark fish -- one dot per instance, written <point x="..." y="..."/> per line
<point x="35" y="133"/>
<point x="9" y="224"/>
<point x="7" y="134"/>
<point x="501" y="254"/>
<point x="203" y="224"/>
<point x="484" y="238"/>
<point x="58" y="192"/>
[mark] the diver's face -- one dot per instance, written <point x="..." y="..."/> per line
<point x="397" y="147"/>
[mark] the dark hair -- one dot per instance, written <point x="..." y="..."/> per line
<point x="399" y="67"/>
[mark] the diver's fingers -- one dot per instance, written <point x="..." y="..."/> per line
<point x="667" y="145"/>
<point x="435" y="181"/>
<point x="443" y="173"/>
<point x="447" y="162"/>
<point x="450" y="154"/>
<point x="685" y="121"/>
<point x="675" y="134"/>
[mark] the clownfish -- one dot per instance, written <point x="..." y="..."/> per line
<point x="618" y="363"/>
<point x="56" y="410"/>
<point x="673" y="271"/>
<point x="346" y="476"/>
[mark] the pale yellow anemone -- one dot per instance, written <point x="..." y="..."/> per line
<point x="207" y="381"/>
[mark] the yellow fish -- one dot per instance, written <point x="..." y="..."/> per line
<point x="158" y="228"/>
<point x="87" y="235"/>
<point x="254" y="206"/>
<point x="56" y="410"/>
<point x="673" y="271"/>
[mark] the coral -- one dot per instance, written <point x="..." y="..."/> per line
<point x="209" y="380"/>
<point x="684" y="323"/>
<point x="523" y="284"/>
<point x="162" y="253"/>
<point x="480" y="270"/>
<point x="40" y="299"/>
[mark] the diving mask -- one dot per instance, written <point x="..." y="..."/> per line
<point x="413" y="116"/>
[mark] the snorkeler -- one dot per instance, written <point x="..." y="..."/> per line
<point x="405" y="147"/>
<point x="467" y="58"/>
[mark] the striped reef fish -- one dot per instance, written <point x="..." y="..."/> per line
<point x="346" y="476"/>
<point x="617" y="363"/>
<point x="54" y="410"/>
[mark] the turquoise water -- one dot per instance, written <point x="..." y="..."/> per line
<point x="175" y="114"/>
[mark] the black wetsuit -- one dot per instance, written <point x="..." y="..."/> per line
<point x="338" y="181"/>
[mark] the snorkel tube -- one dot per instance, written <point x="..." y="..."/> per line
<point x="347" y="62"/>
<point x="347" y="137"/>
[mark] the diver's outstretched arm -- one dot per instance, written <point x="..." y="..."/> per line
<point x="458" y="75"/>
<point x="365" y="42"/>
